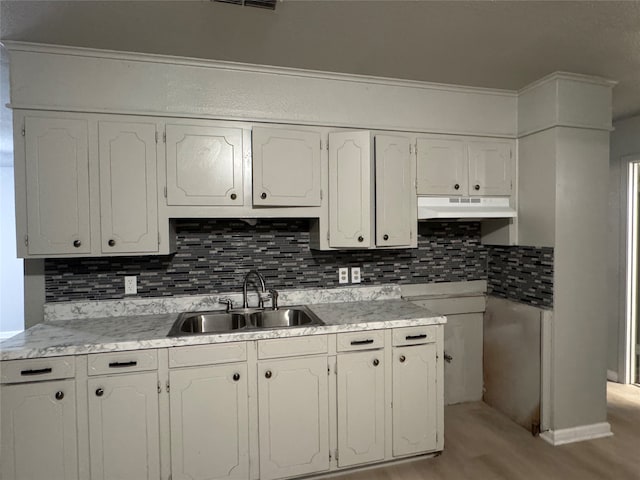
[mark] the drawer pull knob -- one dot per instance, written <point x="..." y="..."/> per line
<point x="112" y="242"/>
<point x="233" y="196"/>
<point x="376" y="362"/>
<point x="38" y="371"/>
<point x="77" y="243"/>
<point x="99" y="392"/>
<point x="476" y="187"/>
<point x="386" y="237"/>
<point x="263" y="196"/>
<point x="132" y="363"/>
<point x="59" y="395"/>
<point x="402" y="358"/>
<point x="361" y="238"/>
<point x="457" y="186"/>
<point x="267" y="374"/>
<point x="236" y="377"/>
<point x="368" y="341"/>
<point x="416" y="337"/>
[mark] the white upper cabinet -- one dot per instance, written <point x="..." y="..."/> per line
<point x="57" y="186"/>
<point x="204" y="165"/>
<point x="395" y="186"/>
<point x="464" y="166"/>
<point x="128" y="187"/>
<point x="286" y="167"/>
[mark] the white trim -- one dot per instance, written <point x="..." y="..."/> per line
<point x="632" y="163"/>
<point x="612" y="376"/>
<point x="577" y="434"/>
<point x="9" y="334"/>
<point x="576" y="77"/>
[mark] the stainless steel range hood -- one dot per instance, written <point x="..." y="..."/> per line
<point x="464" y="208"/>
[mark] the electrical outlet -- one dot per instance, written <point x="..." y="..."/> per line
<point x="130" y="285"/>
<point x="355" y="275"/>
<point x="343" y="275"/>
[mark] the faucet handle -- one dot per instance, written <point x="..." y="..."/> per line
<point x="228" y="302"/>
<point x="274" y="298"/>
<point x="263" y="296"/>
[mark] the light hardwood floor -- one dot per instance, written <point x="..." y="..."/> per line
<point x="482" y="444"/>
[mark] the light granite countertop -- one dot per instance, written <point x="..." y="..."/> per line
<point x="97" y="335"/>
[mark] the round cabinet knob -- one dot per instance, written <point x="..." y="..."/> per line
<point x="267" y="374"/>
<point x="476" y="187"/>
<point x="236" y="377"/>
<point x="59" y="395"/>
<point x="99" y="392"/>
<point x="376" y="362"/>
<point x="77" y="243"/>
<point x="112" y="243"/>
<point x="402" y="358"/>
<point x="457" y="186"/>
<point x="361" y="238"/>
<point x="386" y="237"/>
<point x="233" y="196"/>
<point x="263" y="196"/>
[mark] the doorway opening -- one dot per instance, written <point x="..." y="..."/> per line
<point x="632" y="333"/>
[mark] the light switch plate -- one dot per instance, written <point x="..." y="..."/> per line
<point x="130" y="285"/>
<point x="355" y="275"/>
<point x="343" y="275"/>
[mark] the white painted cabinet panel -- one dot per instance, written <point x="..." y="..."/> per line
<point x="57" y="182"/>
<point x="351" y="189"/>
<point x="209" y="423"/>
<point x="286" y="167"/>
<point x="124" y="437"/>
<point x="204" y="165"/>
<point x="490" y="168"/>
<point x="442" y="167"/>
<point x="293" y="417"/>
<point x="38" y="431"/>
<point x="395" y="189"/>
<point x="128" y="187"/>
<point x="414" y="399"/>
<point x="361" y="407"/>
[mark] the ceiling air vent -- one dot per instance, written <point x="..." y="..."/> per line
<point x="270" y="4"/>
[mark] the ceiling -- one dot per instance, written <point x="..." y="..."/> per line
<point x="499" y="44"/>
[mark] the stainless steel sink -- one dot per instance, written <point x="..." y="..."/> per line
<point x="194" y="323"/>
<point x="285" y="317"/>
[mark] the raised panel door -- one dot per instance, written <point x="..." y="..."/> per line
<point x="414" y="399"/>
<point x="351" y="194"/>
<point x="361" y="402"/>
<point x="442" y="167"/>
<point x="128" y="187"/>
<point x="395" y="189"/>
<point x="209" y="423"/>
<point x="124" y="437"/>
<point x="57" y="172"/>
<point x="204" y="165"/>
<point x="490" y="168"/>
<point x="286" y="167"/>
<point x="38" y="431"/>
<point x="293" y="417"/>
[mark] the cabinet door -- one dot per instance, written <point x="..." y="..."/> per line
<point x="128" y="187"/>
<point x="124" y="437"/>
<point x="414" y="399"/>
<point x="442" y="167"/>
<point x="360" y="407"/>
<point x="286" y="167"/>
<point x="395" y="189"/>
<point x="490" y="168"/>
<point x="293" y="417"/>
<point x="204" y="165"/>
<point x="351" y="191"/>
<point x="57" y="170"/>
<point x="38" y="431"/>
<point x="209" y="423"/>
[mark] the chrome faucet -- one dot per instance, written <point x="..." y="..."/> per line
<point x="244" y="289"/>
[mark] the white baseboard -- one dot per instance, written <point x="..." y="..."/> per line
<point x="612" y="376"/>
<point x="577" y="434"/>
<point x="5" y="335"/>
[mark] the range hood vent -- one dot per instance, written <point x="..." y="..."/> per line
<point x="464" y="207"/>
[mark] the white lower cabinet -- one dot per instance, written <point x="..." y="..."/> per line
<point x="293" y="416"/>
<point x="38" y="431"/>
<point x="209" y="422"/>
<point x="124" y="440"/>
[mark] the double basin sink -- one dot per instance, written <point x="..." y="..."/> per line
<point x="193" y="323"/>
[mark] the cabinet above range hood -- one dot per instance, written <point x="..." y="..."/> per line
<point x="464" y="208"/>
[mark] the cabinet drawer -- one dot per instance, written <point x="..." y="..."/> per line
<point x="360" y="340"/>
<point x="452" y="306"/>
<point x="414" y="335"/>
<point x="122" y="362"/>
<point x="207" y="354"/>
<point x="37" y="369"/>
<point x="294" y="346"/>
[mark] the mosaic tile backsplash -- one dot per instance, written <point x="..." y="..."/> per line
<point x="212" y="256"/>
<point x="522" y="274"/>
